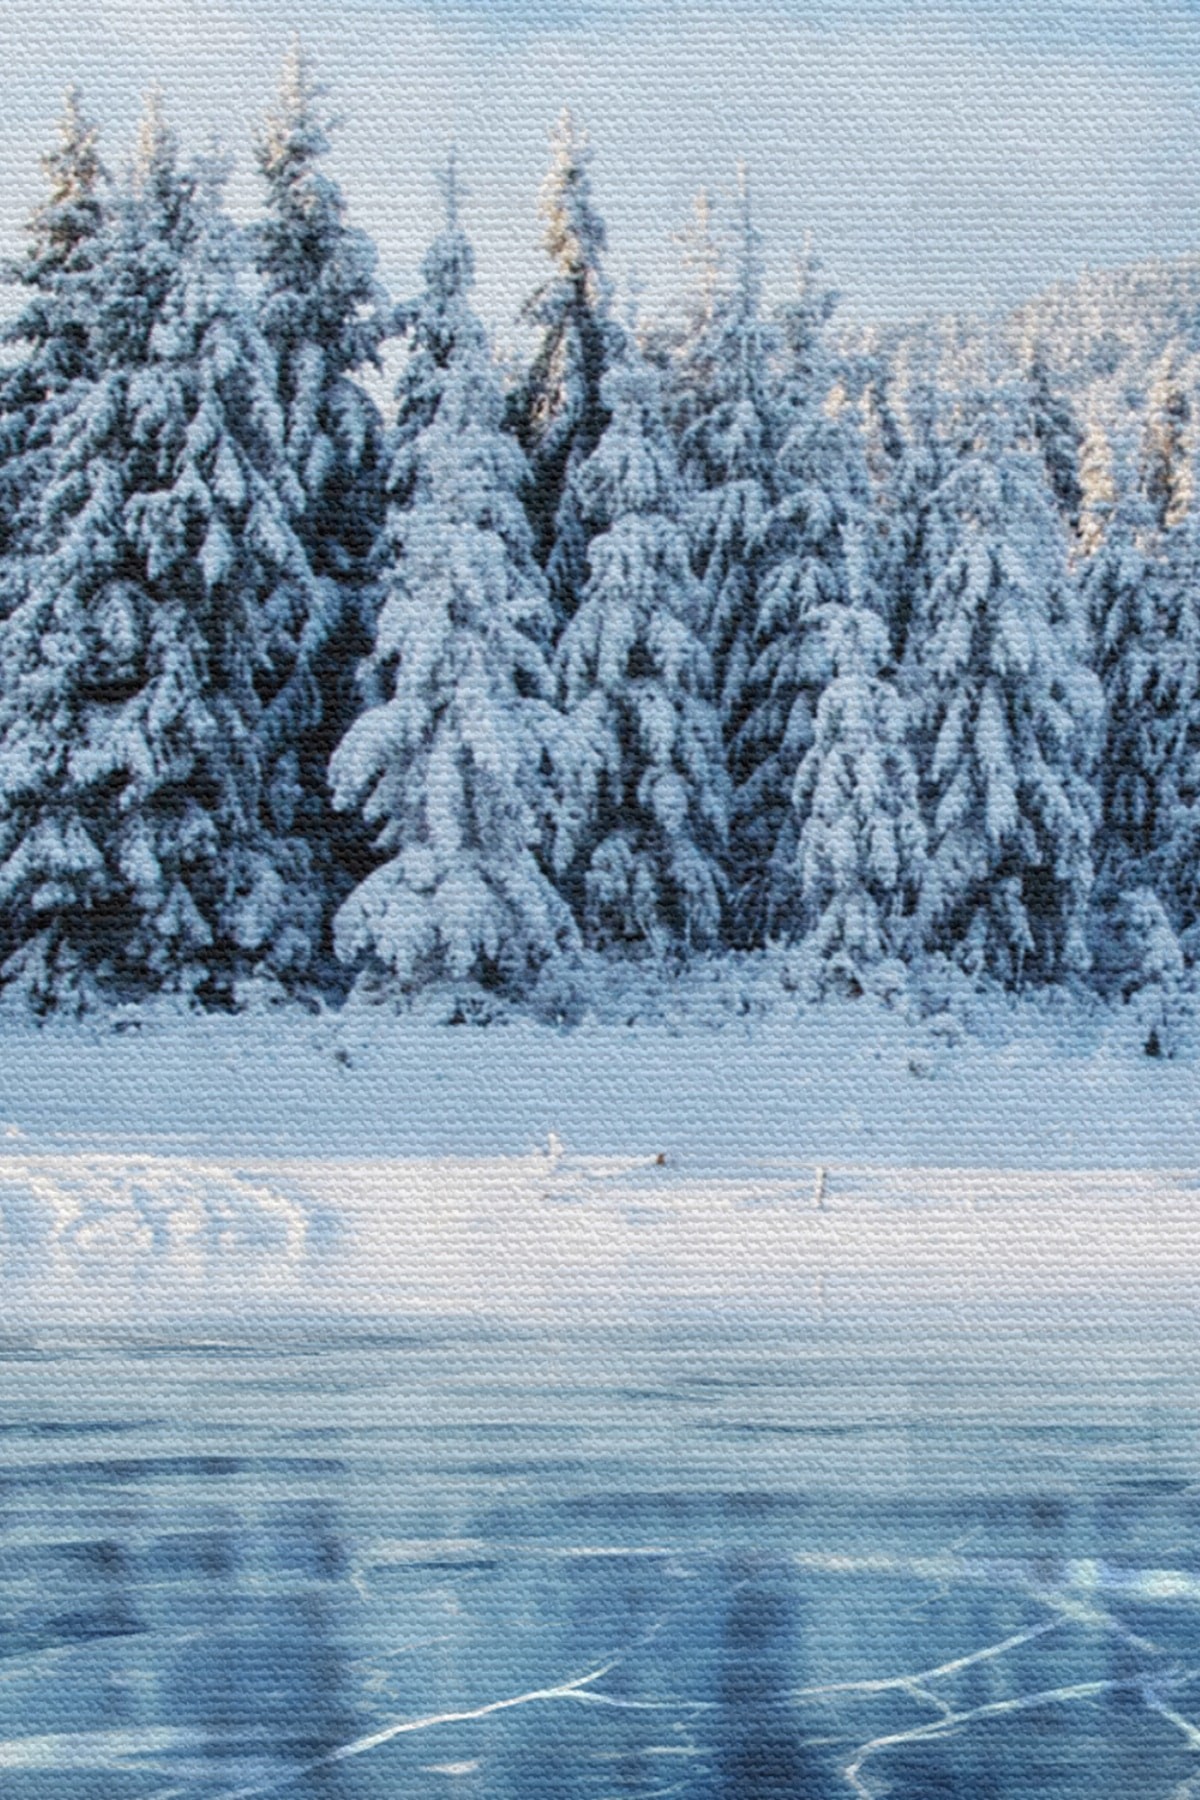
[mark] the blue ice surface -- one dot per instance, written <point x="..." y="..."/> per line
<point x="700" y="1556"/>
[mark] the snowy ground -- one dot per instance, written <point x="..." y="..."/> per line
<point x="215" y="1167"/>
<point x="849" y="1082"/>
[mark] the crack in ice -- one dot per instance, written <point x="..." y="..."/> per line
<point x="1080" y="1607"/>
<point x="578" y="1689"/>
<point x="914" y="1683"/>
<point x="1190" y="1732"/>
<point x="939" y="1728"/>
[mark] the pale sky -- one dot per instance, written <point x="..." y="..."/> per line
<point x="943" y="153"/>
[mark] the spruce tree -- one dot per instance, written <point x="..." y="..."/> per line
<point x="1055" y="433"/>
<point x="640" y="822"/>
<point x="1168" y="448"/>
<point x="324" y="314"/>
<point x="1097" y="489"/>
<point x="1168" y="492"/>
<point x="1138" y="582"/>
<point x="728" y="446"/>
<point x="816" y="556"/>
<point x="683" y="347"/>
<point x="50" y="331"/>
<point x="1136" y="953"/>
<point x="134" y="854"/>
<point x="916" y="551"/>
<point x="885" y="451"/>
<point x="860" y="847"/>
<point x="1008" y="713"/>
<point x="1140" y="961"/>
<point x="447" y="766"/>
<point x="559" y="410"/>
<point x="1127" y="599"/>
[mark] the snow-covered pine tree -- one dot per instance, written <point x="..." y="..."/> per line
<point x="1169" y="492"/>
<point x="49" y="333"/>
<point x="134" y="854"/>
<point x="1127" y="604"/>
<point x="1055" y="431"/>
<point x="727" y="454"/>
<point x="1133" y="945"/>
<point x="448" y="765"/>
<point x="430" y="325"/>
<point x="882" y="430"/>
<point x="860" y="848"/>
<point x="869" y="363"/>
<point x="640" y="821"/>
<point x="816" y="554"/>
<point x="1008" y="713"/>
<point x="915" y="551"/>
<point x="1151" y="976"/>
<point x="558" y="409"/>
<point x="683" y="347"/>
<point x="1097" y="487"/>
<point x="324" y="315"/>
<point x="1168" y="446"/>
<point x="1138" y="582"/>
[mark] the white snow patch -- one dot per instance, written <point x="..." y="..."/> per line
<point x="369" y="1165"/>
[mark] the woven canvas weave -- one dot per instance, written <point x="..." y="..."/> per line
<point x="599" y="917"/>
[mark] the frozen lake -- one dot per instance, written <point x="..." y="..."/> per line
<point x="705" y="1559"/>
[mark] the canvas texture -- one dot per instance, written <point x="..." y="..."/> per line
<point x="599" y="900"/>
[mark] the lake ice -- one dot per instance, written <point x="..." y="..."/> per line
<point x="703" y="1557"/>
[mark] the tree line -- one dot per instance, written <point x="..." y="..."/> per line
<point x="682" y="637"/>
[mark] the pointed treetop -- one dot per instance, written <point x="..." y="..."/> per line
<point x="1169" y="443"/>
<point x="319" y="272"/>
<point x="157" y="147"/>
<point x="571" y="144"/>
<point x="747" y="229"/>
<point x="813" y="292"/>
<point x="74" y="168"/>
<point x="995" y="417"/>
<point x="807" y="312"/>
<point x="453" y="189"/>
<point x="701" y="255"/>
<point x="72" y="209"/>
<point x="575" y="235"/>
<point x="918" y="402"/>
<point x="749" y="244"/>
<point x="297" y="85"/>
<point x="448" y="267"/>
<point x="297" y="128"/>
